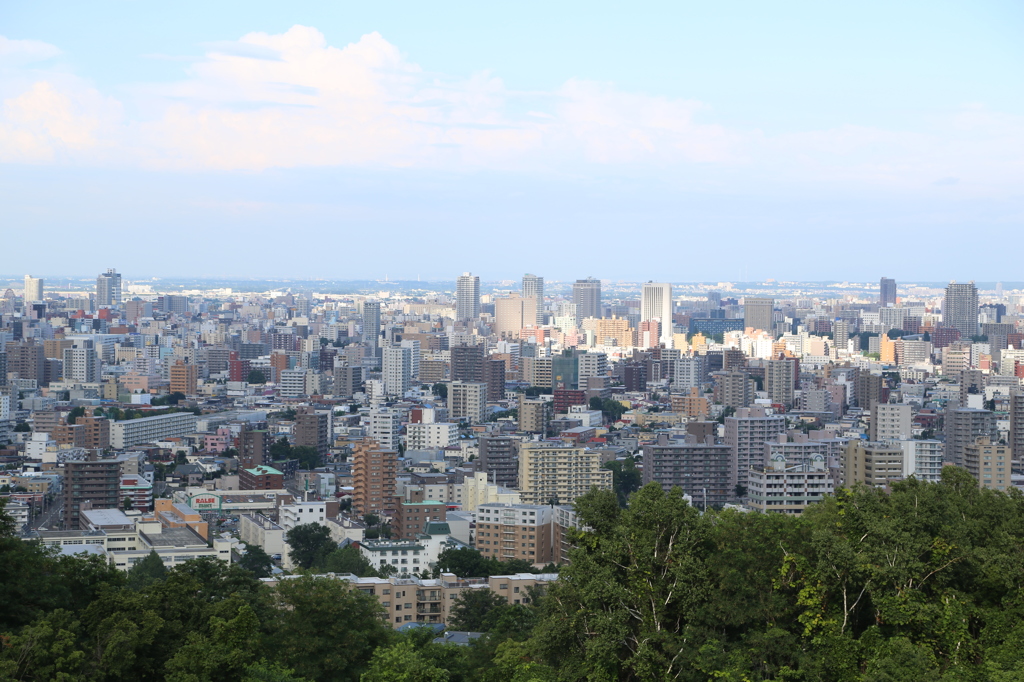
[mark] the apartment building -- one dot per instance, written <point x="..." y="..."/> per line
<point x="517" y="531"/>
<point x="746" y="432"/>
<point x="552" y="473"/>
<point x="989" y="463"/>
<point x="874" y="464"/>
<point x="131" y="432"/>
<point x="701" y="469"/>
<point x="373" y="477"/>
<point x="788" y="489"/>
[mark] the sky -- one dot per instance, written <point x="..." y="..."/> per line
<point x="671" y="141"/>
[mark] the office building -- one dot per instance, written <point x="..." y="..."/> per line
<point x="517" y="531"/>
<point x="499" y="459"/>
<point x="260" y="477"/>
<point x="108" y="288"/>
<point x="550" y="474"/>
<point x="746" y="432"/>
<point x="467" y="401"/>
<point x="887" y="292"/>
<point x="33" y="289"/>
<point x="758" y="313"/>
<point x="586" y="296"/>
<point x="373" y="477"/>
<point x="656" y="304"/>
<point x="467" y="297"/>
<point x="703" y="470"/>
<point x="533" y="288"/>
<point x="96" y="483"/>
<point x="960" y="309"/>
<point x="512" y="314"/>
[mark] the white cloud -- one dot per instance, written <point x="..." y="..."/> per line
<point x="291" y="99"/>
<point x="25" y="51"/>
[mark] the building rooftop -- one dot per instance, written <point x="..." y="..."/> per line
<point x="264" y="470"/>
<point x="174" y="537"/>
<point x="107" y="517"/>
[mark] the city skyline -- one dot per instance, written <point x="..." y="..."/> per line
<point x="686" y="124"/>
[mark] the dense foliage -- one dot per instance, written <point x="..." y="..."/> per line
<point x="925" y="582"/>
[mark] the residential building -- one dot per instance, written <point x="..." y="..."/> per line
<point x="923" y="459"/>
<point x="989" y="463"/>
<point x="33" y="289"/>
<point x="373" y="477"/>
<point x="964" y="426"/>
<point x="533" y="288"/>
<point x="517" y="531"/>
<point x="780" y="380"/>
<point x="873" y="464"/>
<point x="90" y="484"/>
<point x="499" y="459"/>
<point x="81" y="363"/>
<point x="467" y="401"/>
<point x="467" y="297"/>
<point x="702" y="470"/>
<point x="891" y="422"/>
<point x="411" y="518"/>
<point x="108" y="288"/>
<point x="960" y="309"/>
<point x="746" y="432"/>
<point x="184" y="378"/>
<point x="432" y="436"/>
<point x="131" y="432"/>
<point x="534" y="415"/>
<point x="312" y="429"/>
<point x="371" y="326"/>
<point x="555" y="474"/>
<point x="397" y="370"/>
<point x="788" y="489"/>
<point x="385" y="427"/>
<point x="260" y="477"/>
<point x="477" y="489"/>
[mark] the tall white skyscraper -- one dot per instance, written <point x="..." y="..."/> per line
<point x="656" y="304"/>
<point x="533" y="287"/>
<point x="467" y="297"/>
<point x="108" y="288"/>
<point x="33" y="289"/>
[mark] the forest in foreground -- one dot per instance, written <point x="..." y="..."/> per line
<point x="925" y="582"/>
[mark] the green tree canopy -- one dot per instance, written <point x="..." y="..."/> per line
<point x="308" y="543"/>
<point x="257" y="561"/>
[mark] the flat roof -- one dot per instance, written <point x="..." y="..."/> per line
<point x="174" y="537"/>
<point x="107" y="517"/>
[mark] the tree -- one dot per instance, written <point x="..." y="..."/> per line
<point x="440" y="389"/>
<point x="472" y="610"/>
<point x="181" y="457"/>
<point x="401" y="662"/>
<point x="74" y="414"/>
<point x="147" y="571"/>
<point x="280" y="449"/>
<point x="325" y="630"/>
<point x="256" y="561"/>
<point x="308" y="456"/>
<point x="255" y="376"/>
<point x="307" y="542"/>
<point x="22" y="427"/>
<point x="345" y="560"/>
<point x="626" y="478"/>
<point x="126" y="504"/>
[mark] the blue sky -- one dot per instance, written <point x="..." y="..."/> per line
<point x="668" y="141"/>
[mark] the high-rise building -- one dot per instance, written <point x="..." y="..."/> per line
<point x="780" y="379"/>
<point x="467" y="297"/>
<point x="467" y="401"/>
<point x="184" y="378"/>
<point x="373" y="477"/>
<point x="534" y="415"/>
<point x="656" y="304"/>
<point x="108" y="288"/>
<point x="586" y="296"/>
<point x="989" y="463"/>
<point x="874" y="464"/>
<point x="33" y="289"/>
<point x="887" y="292"/>
<point x="891" y="422"/>
<point x="371" y="325"/>
<point x="254" y="448"/>
<point x="552" y="474"/>
<point x="25" y="359"/>
<point x="703" y="470"/>
<point x="1017" y="425"/>
<point x="312" y="429"/>
<point x="513" y="314"/>
<point x="397" y="370"/>
<point x="734" y="389"/>
<point x="96" y="482"/>
<point x="964" y="426"/>
<point x="758" y="313"/>
<point x="746" y="433"/>
<point x="960" y="309"/>
<point x="499" y="458"/>
<point x="533" y="287"/>
<point x="467" y="363"/>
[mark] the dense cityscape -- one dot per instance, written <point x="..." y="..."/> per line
<point x="440" y="442"/>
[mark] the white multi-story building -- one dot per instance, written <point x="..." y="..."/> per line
<point x="656" y="304"/>
<point x="923" y="459"/>
<point x="891" y="422"/>
<point x="431" y="436"/>
<point x="688" y="373"/>
<point x="81" y="363"/>
<point x="789" y="489"/>
<point x="592" y="365"/>
<point x="397" y="370"/>
<point x="467" y="401"/>
<point x="385" y="426"/>
<point x="125" y="434"/>
<point x="293" y="382"/>
<point x="746" y="433"/>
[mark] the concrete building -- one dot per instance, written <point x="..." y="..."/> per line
<point x="517" y="531"/>
<point x="746" y="432"/>
<point x="586" y="296"/>
<point x="534" y="415"/>
<point x="1016" y="435"/>
<point x="788" y="489"/>
<point x="397" y="370"/>
<point x="477" y="489"/>
<point x="108" y="288"/>
<point x="467" y="297"/>
<point x="94" y="485"/>
<point x="887" y="292"/>
<point x="371" y="326"/>
<point x="261" y="531"/>
<point x="131" y="432"/>
<point x="81" y="363"/>
<point x="312" y="429"/>
<point x="964" y="426"/>
<point x="385" y="427"/>
<point x="431" y="436"/>
<point x="702" y="470"/>
<point x="512" y="314"/>
<point x="656" y="305"/>
<point x="873" y="464"/>
<point x="499" y="459"/>
<point x="734" y="389"/>
<point x="591" y="365"/>
<point x="33" y="289"/>
<point x="184" y="378"/>
<point x="533" y="288"/>
<point x="561" y="474"/>
<point x="960" y="309"/>
<point x="891" y="422"/>
<point x="923" y="459"/>
<point x="758" y="313"/>
<point x="989" y="463"/>
<point x="411" y="518"/>
<point x="261" y="477"/>
<point x="780" y="379"/>
<point x="373" y="477"/>
<point x="467" y="401"/>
